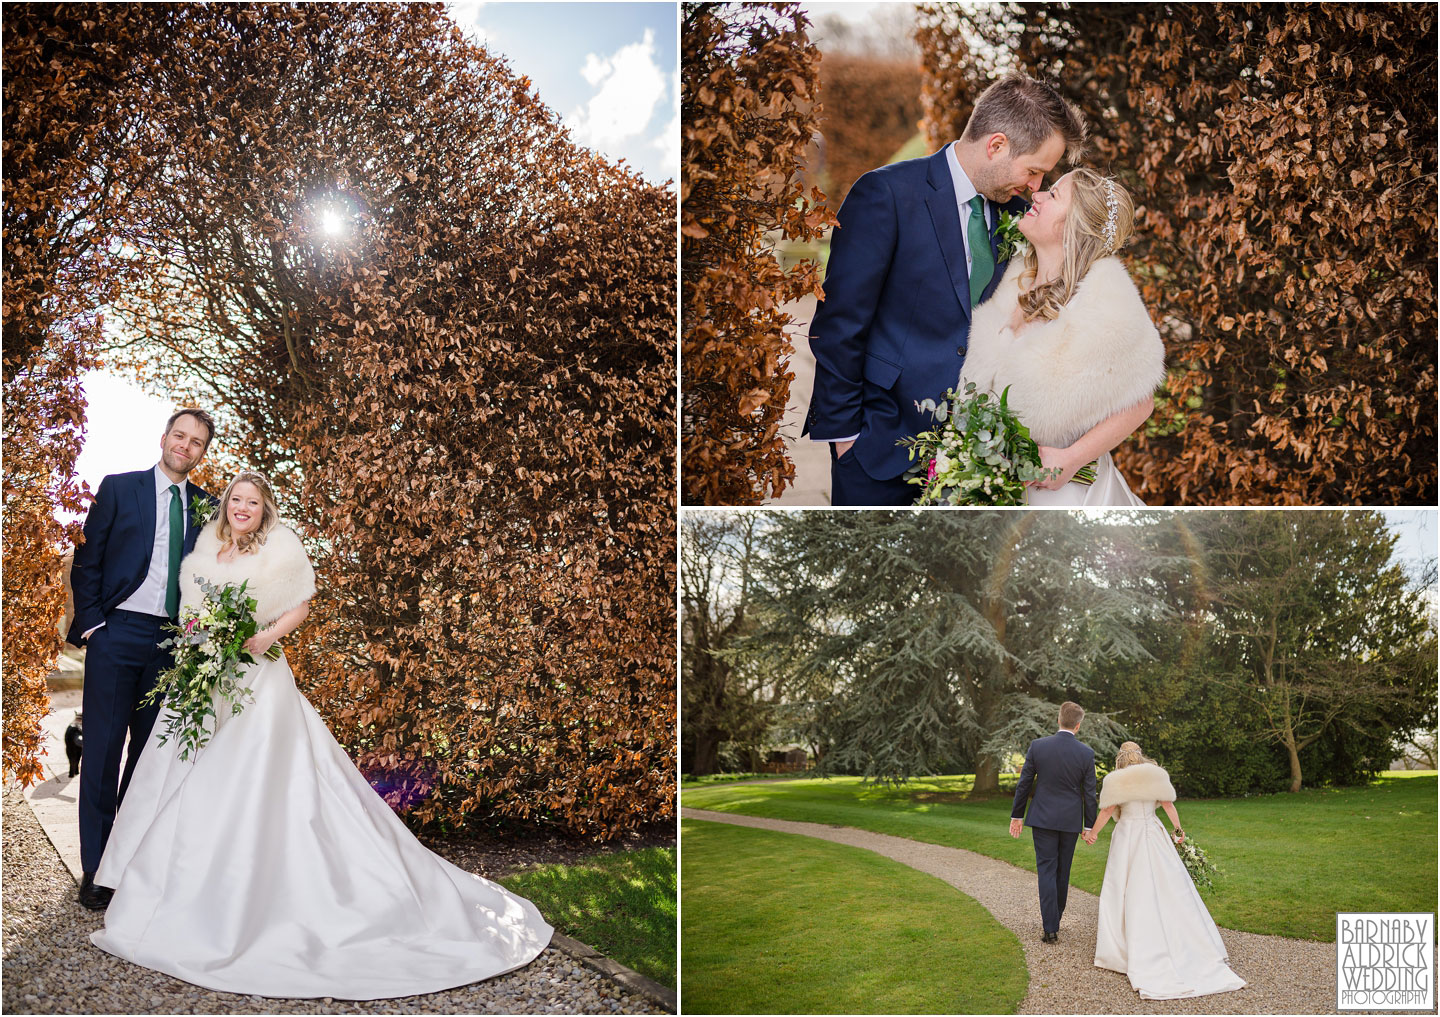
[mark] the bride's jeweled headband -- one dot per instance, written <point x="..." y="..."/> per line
<point x="253" y="475"/>
<point x="1112" y="214"/>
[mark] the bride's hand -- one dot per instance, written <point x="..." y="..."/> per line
<point x="257" y="644"/>
<point x="1051" y="458"/>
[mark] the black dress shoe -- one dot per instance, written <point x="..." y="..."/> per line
<point x="96" y="898"/>
<point x="1050" y="937"/>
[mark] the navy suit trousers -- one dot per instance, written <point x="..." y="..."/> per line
<point x="1054" y="850"/>
<point x="122" y="662"/>
<point x="851" y="485"/>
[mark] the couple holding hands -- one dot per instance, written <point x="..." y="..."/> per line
<point x="1153" y="926"/>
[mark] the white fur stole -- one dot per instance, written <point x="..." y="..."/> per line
<point x="1143" y="782"/>
<point x="1100" y="355"/>
<point x="279" y="573"/>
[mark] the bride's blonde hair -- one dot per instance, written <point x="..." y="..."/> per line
<point x="250" y="542"/>
<point x="1129" y="755"/>
<point x="1089" y="235"/>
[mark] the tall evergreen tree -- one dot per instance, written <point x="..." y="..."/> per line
<point x="948" y="639"/>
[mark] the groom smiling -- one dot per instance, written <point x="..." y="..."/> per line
<point x="126" y="583"/>
<point x="914" y="252"/>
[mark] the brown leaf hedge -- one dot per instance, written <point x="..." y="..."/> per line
<point x="58" y="64"/>
<point x="464" y="389"/>
<point x="748" y="111"/>
<point x="872" y="108"/>
<point x="1282" y="157"/>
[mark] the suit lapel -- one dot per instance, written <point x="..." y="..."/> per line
<point x="994" y="231"/>
<point x="190" y="521"/>
<point x="945" y="217"/>
<point x="191" y="530"/>
<point x="145" y="504"/>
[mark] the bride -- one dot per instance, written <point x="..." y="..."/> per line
<point x="1066" y="330"/>
<point x="1154" y="927"/>
<point x="266" y="864"/>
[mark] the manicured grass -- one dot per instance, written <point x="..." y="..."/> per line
<point x="687" y="781"/>
<point x="776" y="923"/>
<point x="622" y="904"/>
<point x="1289" y="862"/>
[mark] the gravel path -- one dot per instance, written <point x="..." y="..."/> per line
<point x="51" y="967"/>
<point x="1284" y="975"/>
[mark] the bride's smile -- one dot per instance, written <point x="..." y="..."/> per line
<point x="245" y="508"/>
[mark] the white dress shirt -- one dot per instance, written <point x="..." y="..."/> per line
<point x="964" y="191"/>
<point x="150" y="597"/>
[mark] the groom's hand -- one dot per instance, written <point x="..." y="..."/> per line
<point x="841" y="447"/>
<point x="1016" y="825"/>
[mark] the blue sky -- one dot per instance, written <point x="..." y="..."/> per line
<point x="610" y="70"/>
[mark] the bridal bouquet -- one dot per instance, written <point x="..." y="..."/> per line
<point x="978" y="454"/>
<point x="209" y="652"/>
<point x="1199" y="866"/>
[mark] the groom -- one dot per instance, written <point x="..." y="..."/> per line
<point x="1059" y="774"/>
<point x="126" y="581"/>
<point x="915" y="251"/>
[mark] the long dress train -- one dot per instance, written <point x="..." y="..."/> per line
<point x="1154" y="927"/>
<point x="266" y="864"/>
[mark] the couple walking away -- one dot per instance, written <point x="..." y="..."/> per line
<point x="1154" y="928"/>
<point x="920" y="295"/>
<point x="264" y="863"/>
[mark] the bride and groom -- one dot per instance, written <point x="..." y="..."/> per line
<point x="919" y="296"/>
<point x="265" y="863"/>
<point x="1153" y="926"/>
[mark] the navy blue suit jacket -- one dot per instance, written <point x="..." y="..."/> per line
<point x="119" y="539"/>
<point x="1061" y="771"/>
<point x="894" y="324"/>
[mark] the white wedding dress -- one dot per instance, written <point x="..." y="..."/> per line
<point x="267" y="865"/>
<point x="1154" y="927"/>
<point x="1109" y="488"/>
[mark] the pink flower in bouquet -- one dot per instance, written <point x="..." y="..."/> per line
<point x="192" y="625"/>
<point x="930" y="474"/>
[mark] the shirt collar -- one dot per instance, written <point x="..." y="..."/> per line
<point x="964" y="189"/>
<point x="162" y="483"/>
<point x="1064" y="731"/>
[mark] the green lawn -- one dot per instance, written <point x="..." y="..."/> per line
<point x="687" y="781"/>
<point x="622" y="904"/>
<point x="1289" y="862"/>
<point x="775" y="923"/>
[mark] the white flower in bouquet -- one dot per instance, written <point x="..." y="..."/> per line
<point x="1197" y="863"/>
<point x="978" y="454"/>
<point x="209" y="658"/>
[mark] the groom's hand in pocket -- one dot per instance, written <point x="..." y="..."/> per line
<point x="1015" y="827"/>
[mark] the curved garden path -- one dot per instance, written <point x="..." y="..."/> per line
<point x="1284" y="975"/>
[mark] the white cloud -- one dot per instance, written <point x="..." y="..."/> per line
<point x="668" y="141"/>
<point x="628" y="86"/>
<point x="466" y="14"/>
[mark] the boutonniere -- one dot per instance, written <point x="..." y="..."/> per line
<point x="201" y="510"/>
<point x="1012" y="240"/>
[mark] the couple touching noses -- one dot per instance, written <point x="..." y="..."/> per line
<point x="1177" y="957"/>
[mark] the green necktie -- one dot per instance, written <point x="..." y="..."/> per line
<point x="177" y="545"/>
<point x="982" y="261"/>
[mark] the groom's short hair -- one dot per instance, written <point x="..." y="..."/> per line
<point x="1071" y="714"/>
<point x="198" y="414"/>
<point x="1027" y="112"/>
